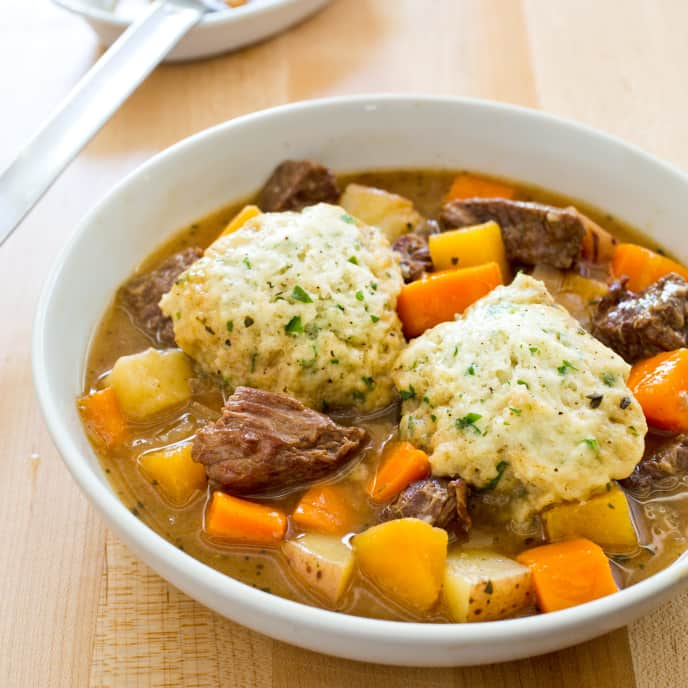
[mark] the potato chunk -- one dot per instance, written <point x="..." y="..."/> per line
<point x="323" y="562"/>
<point x="604" y="519"/>
<point x="174" y="473"/>
<point x="151" y="381"/>
<point x="470" y="246"/>
<point x="393" y="214"/>
<point x="405" y="559"/>
<point x="481" y="585"/>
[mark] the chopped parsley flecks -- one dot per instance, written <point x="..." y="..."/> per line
<point x="230" y="326"/>
<point x="369" y="382"/>
<point x="358" y="395"/>
<point x="433" y="417"/>
<point x="471" y="369"/>
<point x="533" y="350"/>
<point x="501" y="467"/>
<point x="348" y="219"/>
<point x="334" y="361"/>
<point x="595" y="400"/>
<point x="374" y="318"/>
<point x="515" y="411"/>
<point x="359" y="295"/>
<point x="456" y="350"/>
<point x="353" y="260"/>
<point x="407" y="394"/>
<point x="254" y="356"/>
<point x="633" y="431"/>
<point x="593" y="444"/>
<point x="566" y="367"/>
<point x="609" y="379"/>
<point x="373" y="286"/>
<point x="300" y="294"/>
<point x="248" y="321"/>
<point x="294" y="326"/>
<point x="469" y="421"/>
<point x="523" y="382"/>
<point x="246" y="262"/>
<point x="310" y="362"/>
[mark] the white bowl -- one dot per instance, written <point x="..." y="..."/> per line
<point x="216" y="33"/>
<point x="355" y="133"/>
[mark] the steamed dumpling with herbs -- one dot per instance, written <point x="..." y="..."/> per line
<point x="299" y="303"/>
<point x="517" y="398"/>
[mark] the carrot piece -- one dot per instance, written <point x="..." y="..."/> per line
<point x="232" y="518"/>
<point x="401" y="465"/>
<point x="325" y="509"/>
<point x="103" y="418"/>
<point x="247" y="213"/>
<point x="660" y="384"/>
<point x="466" y="185"/>
<point x="568" y="573"/>
<point x="642" y="266"/>
<point x="441" y="295"/>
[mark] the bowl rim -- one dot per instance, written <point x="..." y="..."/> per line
<point x="298" y="614"/>
<point x="233" y="14"/>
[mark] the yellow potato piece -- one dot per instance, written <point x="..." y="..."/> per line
<point x="175" y="475"/>
<point x="248" y="212"/>
<point x="470" y="246"/>
<point x="481" y="585"/>
<point x="393" y="214"/>
<point x="323" y="562"/>
<point x="405" y="559"/>
<point x="604" y="519"/>
<point x="151" y="381"/>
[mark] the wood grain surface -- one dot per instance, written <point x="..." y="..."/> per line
<point x="76" y="608"/>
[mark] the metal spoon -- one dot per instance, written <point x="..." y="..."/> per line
<point x="92" y="102"/>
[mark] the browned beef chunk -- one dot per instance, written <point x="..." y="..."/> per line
<point x="270" y="442"/>
<point x="415" y="256"/>
<point x="413" y="248"/>
<point x="297" y="183"/>
<point x="664" y="463"/>
<point x="437" y="501"/>
<point x="533" y="233"/>
<point x="141" y="295"/>
<point x="463" y="523"/>
<point x="641" y="325"/>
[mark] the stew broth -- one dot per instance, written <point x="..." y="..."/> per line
<point x="661" y="521"/>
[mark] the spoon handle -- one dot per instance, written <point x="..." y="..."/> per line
<point x="89" y="105"/>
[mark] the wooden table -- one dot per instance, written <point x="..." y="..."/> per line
<point x="76" y="608"/>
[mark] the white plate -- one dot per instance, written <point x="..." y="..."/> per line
<point x="217" y="32"/>
<point x="355" y="133"/>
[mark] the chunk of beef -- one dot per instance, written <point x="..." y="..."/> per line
<point x="271" y="442"/>
<point x="297" y="183"/>
<point x="641" y="325"/>
<point x="662" y="466"/>
<point x="437" y="501"/>
<point x="415" y="256"/>
<point x="533" y="233"/>
<point x="414" y="251"/>
<point x="141" y="295"/>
